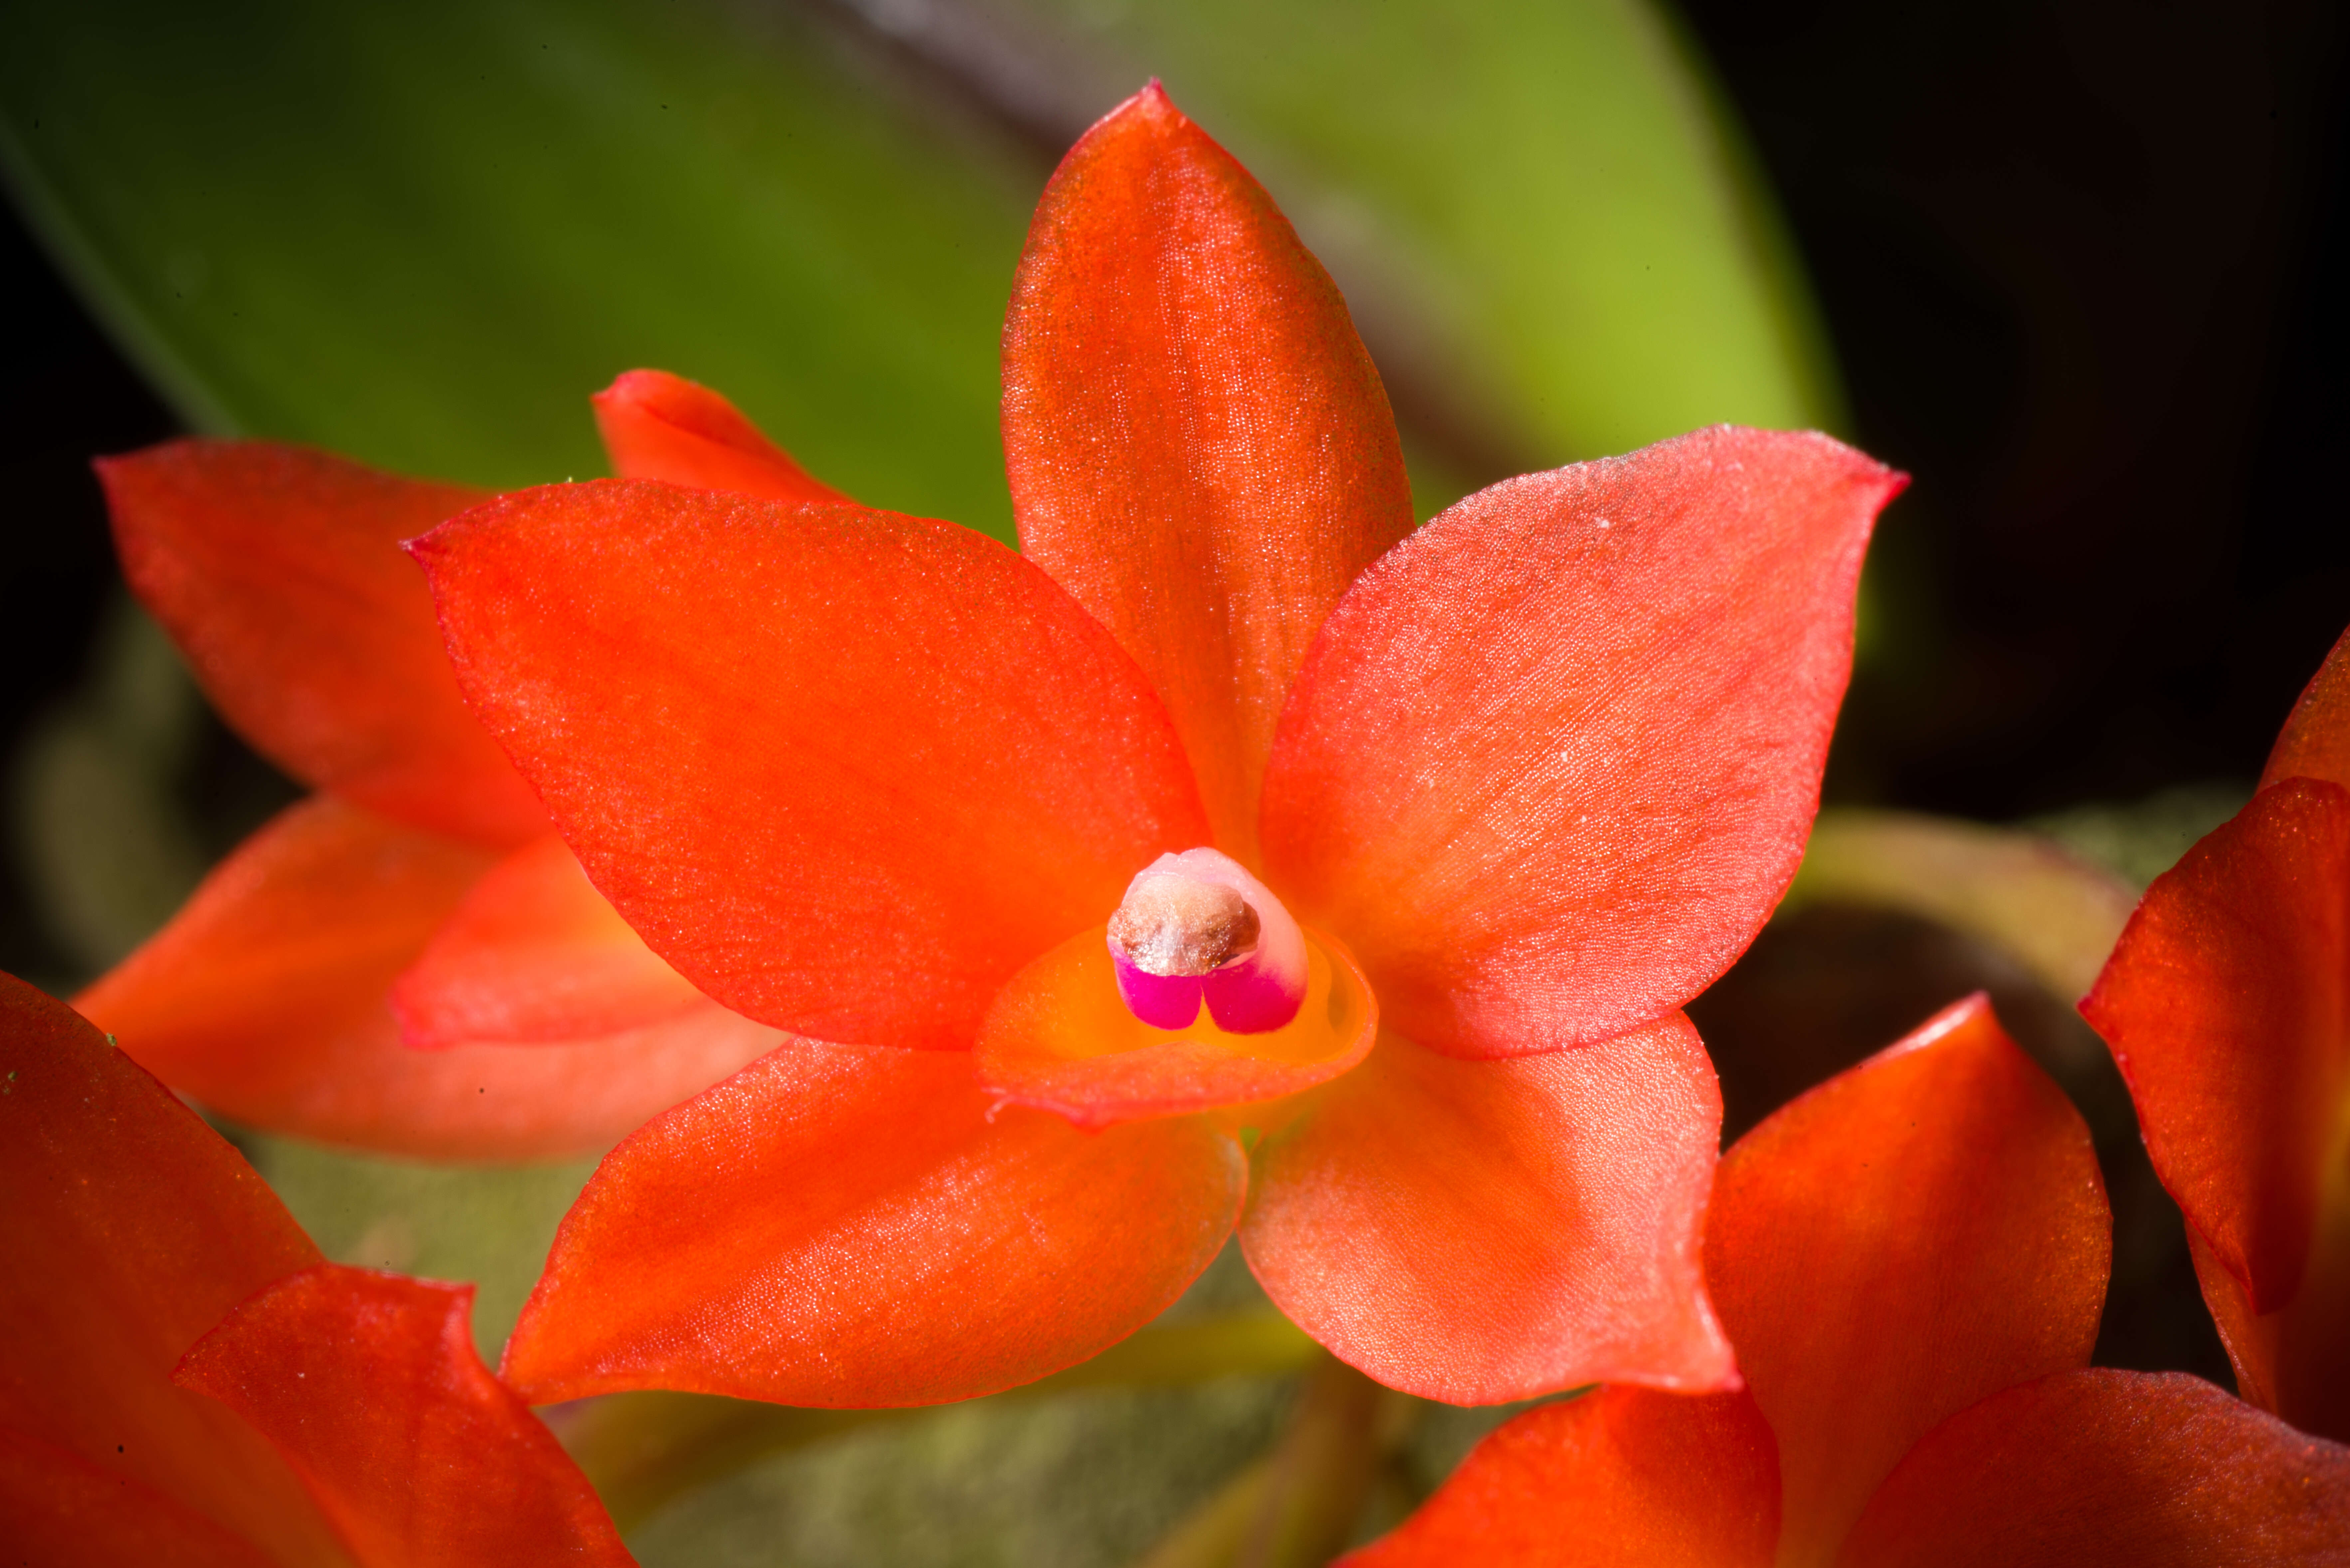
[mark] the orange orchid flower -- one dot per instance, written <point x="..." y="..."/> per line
<point x="184" y="1380"/>
<point x="410" y="960"/>
<point x="1911" y="1259"/>
<point x="2227" y="1004"/>
<point x="1408" y="848"/>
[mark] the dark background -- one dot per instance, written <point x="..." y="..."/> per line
<point x="2080" y="263"/>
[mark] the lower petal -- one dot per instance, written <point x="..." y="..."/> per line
<point x="369" y="1386"/>
<point x="1621" y="1476"/>
<point x="849" y="1226"/>
<point x="1476" y="1232"/>
<point x="2132" y="1468"/>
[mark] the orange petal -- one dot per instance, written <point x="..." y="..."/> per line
<point x="369" y="1385"/>
<point x="660" y="426"/>
<point x="2294" y="1361"/>
<point x="278" y="572"/>
<point x="846" y="1226"/>
<point x="1623" y="1476"/>
<point x="1198" y="448"/>
<point x="129" y="1228"/>
<point x="2096" y="1468"/>
<point x="1918" y="1232"/>
<point x="265" y="998"/>
<point x="1476" y="1232"/>
<point x="849" y="772"/>
<point x="1551" y="762"/>
<point x="535" y="954"/>
<point x="2315" y="740"/>
<point x="63" y="1510"/>
<point x="1059" y="1038"/>
<point x="2225" y="1003"/>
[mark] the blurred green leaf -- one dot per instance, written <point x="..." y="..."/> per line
<point x="422" y="234"/>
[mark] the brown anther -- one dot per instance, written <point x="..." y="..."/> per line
<point x="1176" y="925"/>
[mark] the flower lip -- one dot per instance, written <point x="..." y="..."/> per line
<point x="1196" y="928"/>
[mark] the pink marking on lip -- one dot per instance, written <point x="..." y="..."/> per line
<point x="1161" y="1000"/>
<point x="1253" y="993"/>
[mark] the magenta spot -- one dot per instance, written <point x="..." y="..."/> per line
<point x="1250" y="996"/>
<point x="1161" y="1000"/>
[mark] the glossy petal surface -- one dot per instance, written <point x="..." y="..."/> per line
<point x="1477" y="1231"/>
<point x="1553" y="759"/>
<point x="278" y="572"/>
<point x="2315" y="740"/>
<point x="660" y="426"/>
<point x="848" y="771"/>
<point x="1918" y="1232"/>
<point x="1619" y="1477"/>
<point x="62" y="1512"/>
<point x="846" y="1226"/>
<point x="2227" y="1003"/>
<point x="535" y="954"/>
<point x="265" y="998"/>
<point x="1059" y="1037"/>
<point x="369" y="1386"/>
<point x="130" y="1229"/>
<point x="2098" y="1468"/>
<point x="1199" y="447"/>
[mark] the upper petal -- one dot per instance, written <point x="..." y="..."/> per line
<point x="660" y="426"/>
<point x="370" y="1386"/>
<point x="2227" y="1003"/>
<point x="1199" y="447"/>
<point x="534" y="953"/>
<point x="2101" y="1468"/>
<point x="129" y="1228"/>
<point x="1622" y="1477"/>
<point x="265" y="998"/>
<point x="2315" y="740"/>
<point x="1918" y="1232"/>
<point x="848" y="771"/>
<point x="278" y="572"/>
<point x="1476" y="1232"/>
<point x="1553" y="761"/>
<point x="849" y="1226"/>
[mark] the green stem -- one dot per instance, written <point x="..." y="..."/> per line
<point x="643" y="1449"/>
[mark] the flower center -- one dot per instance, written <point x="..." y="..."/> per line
<point x="1196" y="928"/>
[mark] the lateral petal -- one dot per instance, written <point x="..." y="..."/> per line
<point x="130" y="1229"/>
<point x="1553" y="760"/>
<point x="265" y="998"/>
<point x="1916" y="1233"/>
<point x="847" y="771"/>
<point x="535" y="954"/>
<point x="1479" y="1231"/>
<point x="278" y="572"/>
<point x="1617" y="1477"/>
<point x="370" y="1386"/>
<point x="851" y="1226"/>
<point x="660" y="426"/>
<point x="2315" y="740"/>
<point x="2096" y="1468"/>
<point x="2227" y="1004"/>
<point x="1199" y="447"/>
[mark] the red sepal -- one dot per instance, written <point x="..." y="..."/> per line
<point x="1477" y="1231"/>
<point x="1620" y="1477"/>
<point x="2315" y="740"/>
<point x="848" y="771"/>
<point x="370" y="1387"/>
<point x="855" y="1226"/>
<point x="278" y="572"/>
<point x="660" y="426"/>
<point x="1553" y="760"/>
<point x="1199" y="447"/>
<point x="1911" y="1236"/>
